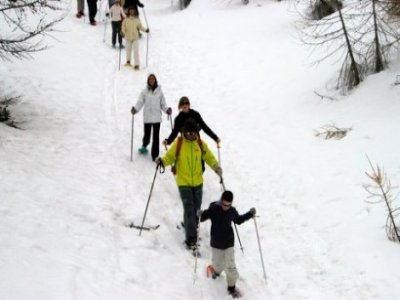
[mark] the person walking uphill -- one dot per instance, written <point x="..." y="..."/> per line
<point x="92" y="7"/>
<point x="185" y="113"/>
<point x="222" y="214"/>
<point x="130" y="27"/>
<point x="117" y="15"/>
<point x="186" y="153"/>
<point x="153" y="100"/>
<point x="132" y="3"/>
<point x="80" y="8"/>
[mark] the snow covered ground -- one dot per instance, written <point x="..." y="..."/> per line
<point x="67" y="186"/>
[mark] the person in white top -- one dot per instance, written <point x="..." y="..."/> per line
<point x="153" y="101"/>
<point x="117" y="15"/>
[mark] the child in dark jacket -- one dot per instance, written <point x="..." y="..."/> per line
<point x="187" y="113"/>
<point x="222" y="214"/>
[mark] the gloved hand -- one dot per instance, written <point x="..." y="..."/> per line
<point x="218" y="170"/>
<point x="218" y="142"/>
<point x="147" y="30"/>
<point x="165" y="142"/>
<point x="122" y="34"/>
<point x="133" y="110"/>
<point x="253" y="211"/>
<point x="199" y="213"/>
<point x="158" y="161"/>
<point x="169" y="111"/>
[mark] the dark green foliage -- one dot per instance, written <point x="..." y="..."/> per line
<point x="184" y="3"/>
<point x="4" y="114"/>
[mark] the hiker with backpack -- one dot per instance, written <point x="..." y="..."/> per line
<point x="186" y="154"/>
<point x="132" y="3"/>
<point x="222" y="214"/>
<point x="153" y="101"/>
<point x="185" y="113"/>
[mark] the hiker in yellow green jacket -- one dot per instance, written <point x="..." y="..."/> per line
<point x="186" y="154"/>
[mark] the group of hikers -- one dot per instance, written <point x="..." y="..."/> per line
<point x="187" y="154"/>
<point x="125" y="24"/>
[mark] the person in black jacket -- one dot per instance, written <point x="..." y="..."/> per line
<point x="132" y="3"/>
<point x="222" y="214"/>
<point x="187" y="113"/>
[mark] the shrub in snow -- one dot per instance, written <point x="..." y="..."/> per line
<point x="4" y="114"/>
<point x="381" y="190"/>
<point x="332" y="132"/>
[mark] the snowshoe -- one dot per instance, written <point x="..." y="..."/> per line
<point x="193" y="248"/>
<point x="143" y="150"/>
<point x="234" y="292"/>
<point x="211" y="272"/>
<point x="128" y="64"/>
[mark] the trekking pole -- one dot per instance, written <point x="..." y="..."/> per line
<point x="196" y="254"/>
<point x="240" y="242"/>
<point x="105" y="28"/>
<point x="236" y="230"/>
<point x="170" y="121"/>
<point x="219" y="162"/>
<point x="133" y="122"/>
<point x="151" y="191"/>
<point x="119" y="60"/>
<point x="219" y="154"/>
<point x="147" y="50"/>
<point x="145" y="18"/>
<point x="259" y="248"/>
<point x="147" y="42"/>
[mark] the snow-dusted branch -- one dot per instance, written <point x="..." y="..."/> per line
<point x="24" y="24"/>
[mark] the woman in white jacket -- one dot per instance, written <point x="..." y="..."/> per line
<point x="117" y="15"/>
<point x="153" y="100"/>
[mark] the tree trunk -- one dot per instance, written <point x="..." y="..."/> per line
<point x="353" y="64"/>
<point x="378" y="54"/>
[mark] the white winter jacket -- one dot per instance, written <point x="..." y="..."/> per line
<point x="117" y="13"/>
<point x="153" y="102"/>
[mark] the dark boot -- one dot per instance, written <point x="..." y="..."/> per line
<point x="233" y="292"/>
